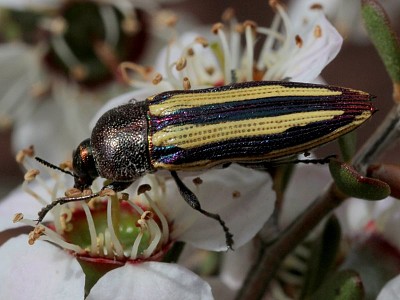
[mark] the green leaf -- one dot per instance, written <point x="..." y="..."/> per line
<point x="383" y="36"/>
<point x="323" y="254"/>
<point x="348" y="145"/>
<point x="344" y="285"/>
<point x="353" y="184"/>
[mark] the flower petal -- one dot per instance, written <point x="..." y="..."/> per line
<point x="42" y="271"/>
<point x="316" y="52"/>
<point x="243" y="197"/>
<point x="391" y="290"/>
<point x="150" y="280"/>
<point x="304" y="186"/>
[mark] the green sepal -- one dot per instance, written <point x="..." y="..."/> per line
<point x="323" y="255"/>
<point x="94" y="269"/>
<point x="382" y="36"/>
<point x="348" y="145"/>
<point x="343" y="285"/>
<point x="353" y="184"/>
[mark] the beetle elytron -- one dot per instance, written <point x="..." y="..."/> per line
<point x="248" y="123"/>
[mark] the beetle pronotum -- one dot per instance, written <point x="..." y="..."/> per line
<point x="250" y="123"/>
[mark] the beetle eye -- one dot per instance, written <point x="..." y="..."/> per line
<point x="83" y="161"/>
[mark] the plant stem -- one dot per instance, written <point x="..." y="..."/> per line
<point x="271" y="257"/>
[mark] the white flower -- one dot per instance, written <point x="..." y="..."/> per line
<point x="53" y="77"/>
<point x="345" y="14"/>
<point x="298" y="52"/>
<point x="244" y="202"/>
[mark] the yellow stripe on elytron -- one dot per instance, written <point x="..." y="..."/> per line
<point x="203" y="164"/>
<point x="196" y="135"/>
<point x="182" y="101"/>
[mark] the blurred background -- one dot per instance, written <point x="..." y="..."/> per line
<point x="357" y="66"/>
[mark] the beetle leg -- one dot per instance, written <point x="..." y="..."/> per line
<point x="192" y="200"/>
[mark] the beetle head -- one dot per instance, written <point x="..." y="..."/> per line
<point x="84" y="165"/>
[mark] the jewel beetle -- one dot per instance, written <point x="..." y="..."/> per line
<point x="250" y="123"/>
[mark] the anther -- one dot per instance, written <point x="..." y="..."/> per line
<point x="228" y="14"/>
<point x="180" y="64"/>
<point x="202" y="40"/>
<point x="299" y="41"/>
<point x="217" y="27"/>
<point x="186" y="84"/>
<point x="143" y="189"/>
<point x="79" y="72"/>
<point x="317" y="31"/>
<point x="73" y="192"/>
<point x="18" y="217"/>
<point x="316" y="6"/>
<point x="31" y="175"/>
<point x="157" y="78"/>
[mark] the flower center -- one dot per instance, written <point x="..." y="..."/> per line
<point x="89" y="40"/>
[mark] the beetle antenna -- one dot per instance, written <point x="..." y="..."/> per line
<point x="50" y="165"/>
<point x="43" y="212"/>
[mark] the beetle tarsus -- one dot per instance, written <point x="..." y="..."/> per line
<point x="192" y="200"/>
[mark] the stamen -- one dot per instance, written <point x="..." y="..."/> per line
<point x="100" y="244"/>
<point x="287" y="25"/>
<point x="106" y="55"/>
<point x="108" y="244"/>
<point x="130" y="25"/>
<point x="228" y="14"/>
<point x="156" y="237"/>
<point x="168" y="67"/>
<point x="135" y="247"/>
<point x="92" y="229"/>
<point x="51" y="236"/>
<point x="249" y="34"/>
<point x="65" y="225"/>
<point x="63" y="51"/>
<point x="110" y="22"/>
<point x="117" y="245"/>
<point x="217" y="29"/>
<point x="272" y="35"/>
<point x="163" y="220"/>
<point x="144" y="72"/>
<point x="28" y="190"/>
